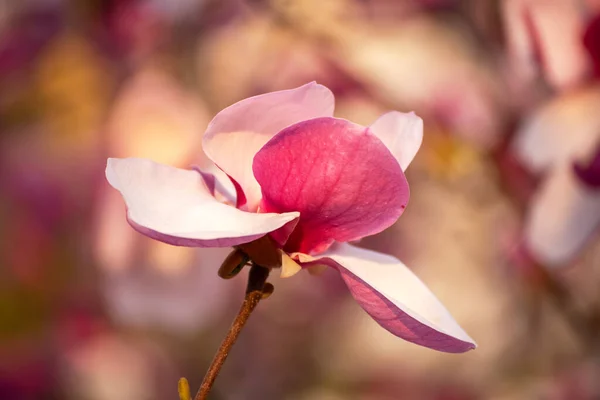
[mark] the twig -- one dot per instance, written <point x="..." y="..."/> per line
<point x="254" y="293"/>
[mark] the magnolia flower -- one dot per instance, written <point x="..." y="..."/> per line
<point x="544" y="38"/>
<point x="309" y="181"/>
<point x="564" y="215"/>
<point x="564" y="212"/>
<point x="560" y="131"/>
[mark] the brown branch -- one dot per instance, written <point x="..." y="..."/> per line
<point x="255" y="291"/>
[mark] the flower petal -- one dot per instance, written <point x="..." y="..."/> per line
<point x="289" y="267"/>
<point x="396" y="298"/>
<point x="176" y="207"/>
<point x="235" y="134"/>
<point x="564" y="215"/>
<point x="402" y="133"/>
<point x="218" y="183"/>
<point x="341" y="178"/>
<point x="546" y="35"/>
<point x="565" y="129"/>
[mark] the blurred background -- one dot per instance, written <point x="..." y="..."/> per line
<point x="501" y="224"/>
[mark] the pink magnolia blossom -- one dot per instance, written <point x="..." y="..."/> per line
<point x="557" y="143"/>
<point x="456" y="88"/>
<point x="563" y="217"/>
<point x="311" y="182"/>
<point x="544" y="40"/>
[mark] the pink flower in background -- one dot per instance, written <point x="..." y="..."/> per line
<point x="310" y="181"/>
<point x="591" y="41"/>
<point x="456" y="88"/>
<point x="544" y="40"/>
<point x="564" y="211"/>
<point x="564" y="215"/>
<point x="562" y="130"/>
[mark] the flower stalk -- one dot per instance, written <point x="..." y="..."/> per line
<point x="255" y="291"/>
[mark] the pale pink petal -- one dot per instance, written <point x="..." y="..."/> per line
<point x="563" y="217"/>
<point x="402" y="133"/>
<point x="218" y="183"/>
<point x="564" y="129"/>
<point x="340" y="177"/>
<point x="239" y="131"/>
<point x="396" y="298"/>
<point x="547" y="36"/>
<point x="175" y="206"/>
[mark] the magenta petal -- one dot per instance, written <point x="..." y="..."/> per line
<point x="341" y="178"/>
<point x="396" y="298"/>
<point x="175" y="206"/>
<point x="235" y="134"/>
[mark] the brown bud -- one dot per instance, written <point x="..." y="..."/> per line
<point x="233" y="264"/>
<point x="268" y="290"/>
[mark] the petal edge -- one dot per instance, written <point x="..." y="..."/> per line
<point x="396" y="298"/>
<point x="175" y="206"/>
<point x="402" y="133"/>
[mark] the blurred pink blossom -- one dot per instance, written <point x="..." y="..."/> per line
<point x="561" y="130"/>
<point x="591" y="41"/>
<point x="306" y="179"/>
<point x="168" y="289"/>
<point x="564" y="214"/>
<point x="111" y="365"/>
<point x="544" y="41"/>
<point x="455" y="87"/>
<point x="565" y="210"/>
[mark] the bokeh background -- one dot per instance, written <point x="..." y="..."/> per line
<point x="501" y="224"/>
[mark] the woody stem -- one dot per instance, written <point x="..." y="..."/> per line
<point x="254" y="292"/>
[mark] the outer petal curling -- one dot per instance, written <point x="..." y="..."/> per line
<point x="236" y="134"/>
<point x="341" y="178"/>
<point x="218" y="183"/>
<point x="402" y="133"/>
<point x="175" y="206"/>
<point x="396" y="298"/>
